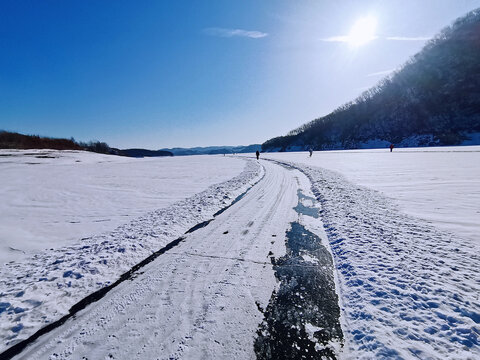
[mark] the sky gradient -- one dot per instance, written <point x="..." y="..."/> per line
<point x="157" y="74"/>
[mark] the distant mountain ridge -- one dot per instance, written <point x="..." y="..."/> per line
<point x="212" y="150"/>
<point x="433" y="100"/>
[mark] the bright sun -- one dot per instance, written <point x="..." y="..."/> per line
<point x="362" y="31"/>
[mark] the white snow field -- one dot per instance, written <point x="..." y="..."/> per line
<point x="407" y="253"/>
<point x="53" y="198"/>
<point x="200" y="299"/>
<point x="361" y="239"/>
<point x="439" y="184"/>
<point x="40" y="288"/>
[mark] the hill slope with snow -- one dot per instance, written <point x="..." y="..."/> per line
<point x="434" y="99"/>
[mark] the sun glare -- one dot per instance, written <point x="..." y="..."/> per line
<point x="363" y="31"/>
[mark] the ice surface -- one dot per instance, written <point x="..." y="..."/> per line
<point x="202" y="298"/>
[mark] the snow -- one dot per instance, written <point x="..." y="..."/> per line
<point x="440" y="185"/>
<point x="394" y="235"/>
<point x="409" y="288"/>
<point x="37" y="290"/>
<point x="54" y="198"/>
<point x="199" y="299"/>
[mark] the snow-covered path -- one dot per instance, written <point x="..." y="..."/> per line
<point x="408" y="290"/>
<point x="258" y="281"/>
<point x="201" y="299"/>
<point x="41" y="289"/>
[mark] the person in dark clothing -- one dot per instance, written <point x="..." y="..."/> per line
<point x="258" y="154"/>
<point x="311" y="152"/>
<point x="391" y="147"/>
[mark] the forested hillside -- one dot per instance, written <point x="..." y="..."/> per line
<point x="434" y="99"/>
<point x="12" y="140"/>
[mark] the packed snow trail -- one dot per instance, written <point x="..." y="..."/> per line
<point x="408" y="290"/>
<point x="201" y="299"/>
<point x="39" y="290"/>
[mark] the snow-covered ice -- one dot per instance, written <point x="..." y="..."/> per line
<point x="401" y="229"/>
<point x="53" y="198"/>
<point x="440" y="185"/>
<point x="36" y="290"/>
<point x="409" y="287"/>
<point x="199" y="299"/>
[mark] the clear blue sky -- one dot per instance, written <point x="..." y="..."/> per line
<point x="160" y="74"/>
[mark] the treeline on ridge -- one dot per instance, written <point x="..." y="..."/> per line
<point x="13" y="140"/>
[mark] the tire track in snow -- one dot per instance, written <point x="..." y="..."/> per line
<point x="99" y="294"/>
<point x="42" y="289"/>
<point x="184" y="306"/>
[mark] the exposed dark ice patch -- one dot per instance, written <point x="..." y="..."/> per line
<point x="306" y="300"/>
<point x="302" y="319"/>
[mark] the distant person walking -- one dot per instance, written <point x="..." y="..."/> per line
<point x="311" y="152"/>
<point x="258" y="154"/>
<point x="391" y="147"/>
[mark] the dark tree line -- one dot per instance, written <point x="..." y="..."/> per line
<point x="12" y="140"/>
